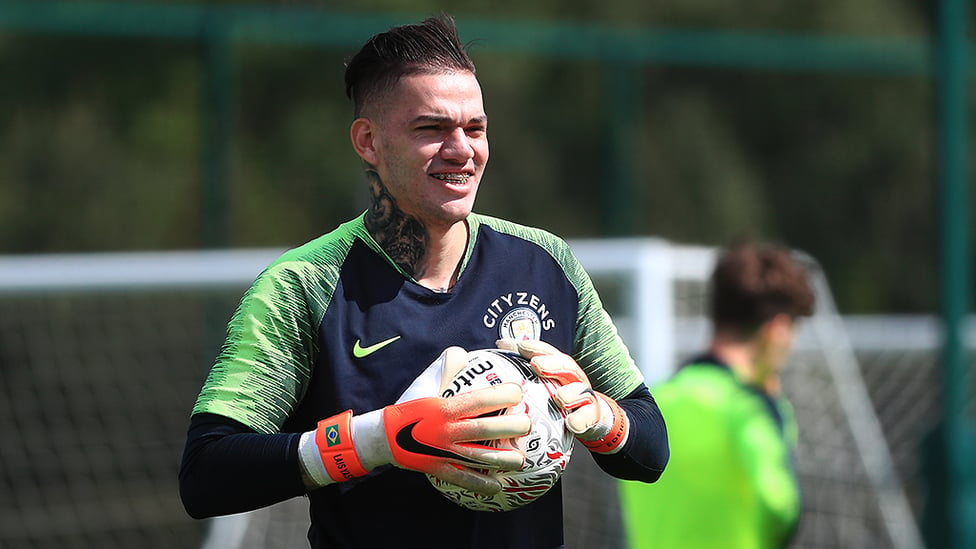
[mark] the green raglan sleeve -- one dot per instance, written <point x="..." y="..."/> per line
<point x="260" y="374"/>
<point x="264" y="366"/>
<point x="599" y="350"/>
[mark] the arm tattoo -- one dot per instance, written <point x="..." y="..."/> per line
<point x="402" y="237"/>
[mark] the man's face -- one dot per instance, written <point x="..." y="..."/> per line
<point x="429" y="144"/>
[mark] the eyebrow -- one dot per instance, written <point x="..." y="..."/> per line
<point x="438" y="119"/>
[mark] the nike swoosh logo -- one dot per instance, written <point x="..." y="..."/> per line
<point x="363" y="352"/>
<point x="406" y="441"/>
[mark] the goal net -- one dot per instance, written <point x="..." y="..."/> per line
<point x="101" y="357"/>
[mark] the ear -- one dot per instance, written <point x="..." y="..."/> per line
<point x="775" y="337"/>
<point x="777" y="330"/>
<point x="363" y="136"/>
<point x="782" y="325"/>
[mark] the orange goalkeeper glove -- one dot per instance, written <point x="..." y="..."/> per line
<point x="596" y="419"/>
<point x="444" y="437"/>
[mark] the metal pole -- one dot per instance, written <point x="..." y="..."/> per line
<point x="620" y="189"/>
<point x="955" y="277"/>
<point x="220" y="124"/>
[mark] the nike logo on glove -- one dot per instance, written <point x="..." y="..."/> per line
<point x="363" y="352"/>
<point x="406" y="441"/>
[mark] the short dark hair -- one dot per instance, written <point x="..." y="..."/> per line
<point x="752" y="283"/>
<point x="427" y="47"/>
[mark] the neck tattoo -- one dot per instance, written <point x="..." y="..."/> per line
<point x="402" y="237"/>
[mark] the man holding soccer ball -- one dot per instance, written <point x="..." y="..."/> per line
<point x="307" y="396"/>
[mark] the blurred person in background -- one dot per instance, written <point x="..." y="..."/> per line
<point x="730" y="483"/>
<point x="307" y="395"/>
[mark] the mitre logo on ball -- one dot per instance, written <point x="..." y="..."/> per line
<point x="547" y="447"/>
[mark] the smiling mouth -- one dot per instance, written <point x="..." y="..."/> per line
<point x="452" y="178"/>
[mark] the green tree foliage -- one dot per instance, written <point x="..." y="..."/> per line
<point x="101" y="140"/>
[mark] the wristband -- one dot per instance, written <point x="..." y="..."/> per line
<point x="333" y="436"/>
<point x="612" y="441"/>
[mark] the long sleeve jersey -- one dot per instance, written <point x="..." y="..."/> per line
<point x="337" y="325"/>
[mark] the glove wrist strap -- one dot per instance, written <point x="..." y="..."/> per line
<point x="333" y="436"/>
<point x="614" y="440"/>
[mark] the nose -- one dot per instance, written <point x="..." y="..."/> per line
<point x="457" y="147"/>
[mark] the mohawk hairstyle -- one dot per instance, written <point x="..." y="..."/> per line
<point x="431" y="46"/>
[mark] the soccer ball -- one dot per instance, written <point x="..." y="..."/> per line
<point x="547" y="447"/>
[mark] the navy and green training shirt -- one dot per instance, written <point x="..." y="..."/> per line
<point x="336" y="325"/>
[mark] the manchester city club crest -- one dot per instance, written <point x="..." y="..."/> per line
<point x="520" y="324"/>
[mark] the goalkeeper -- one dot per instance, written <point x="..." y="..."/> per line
<point x="306" y="395"/>
<point x="730" y="482"/>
